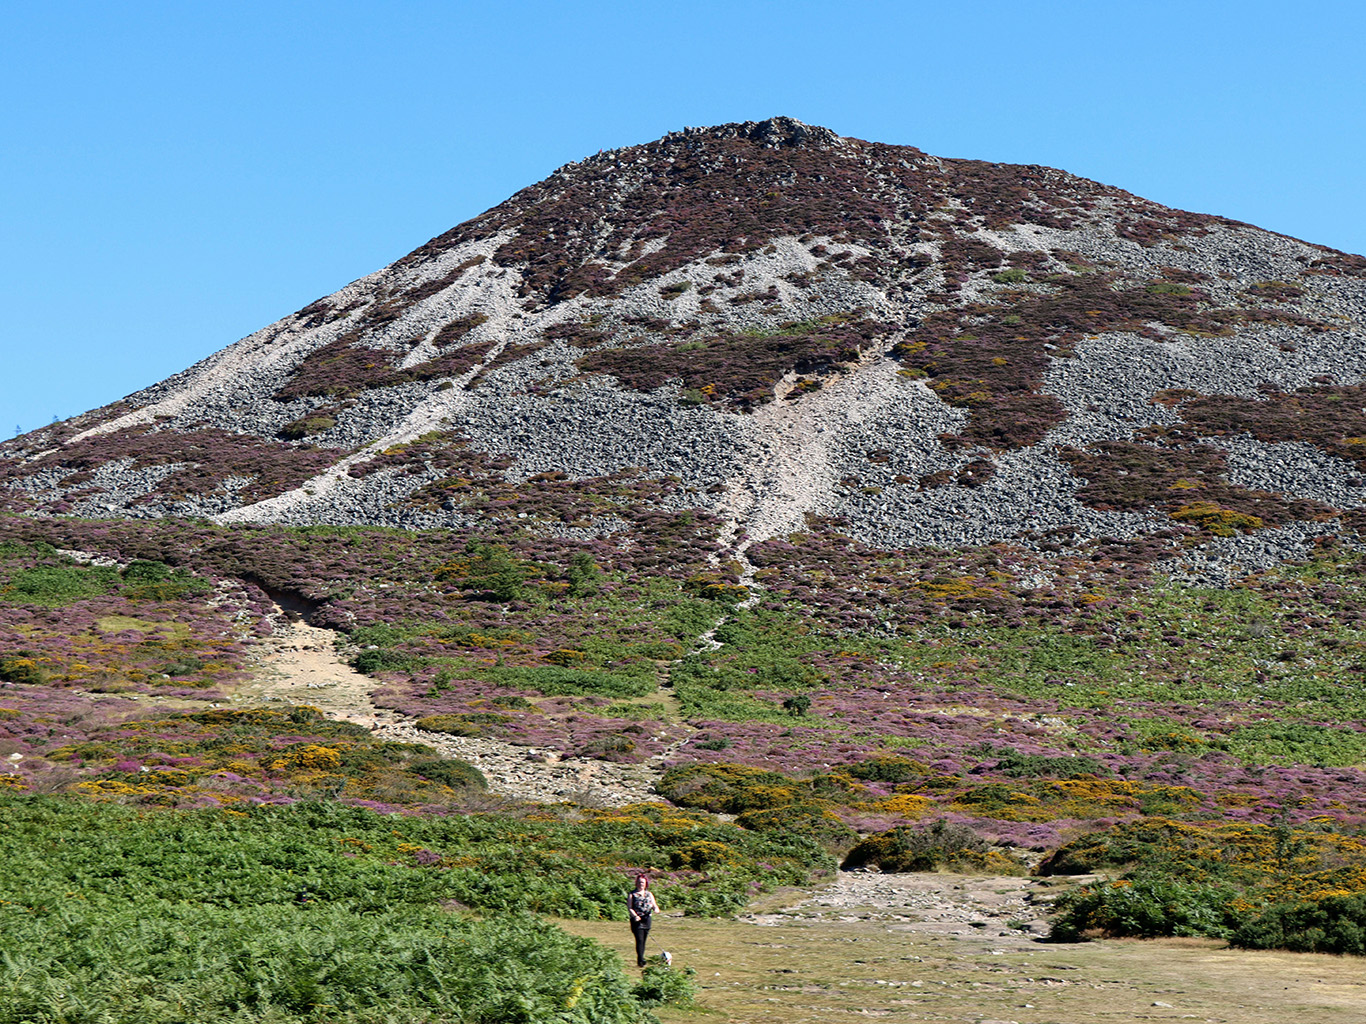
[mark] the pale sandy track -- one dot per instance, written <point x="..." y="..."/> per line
<point x="300" y="665"/>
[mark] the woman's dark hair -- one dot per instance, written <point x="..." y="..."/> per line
<point x="646" y="877"/>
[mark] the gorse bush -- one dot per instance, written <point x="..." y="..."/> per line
<point x="929" y="848"/>
<point x="728" y="788"/>
<point x="21" y="667"/>
<point x="1262" y="887"/>
<point x="1144" y="907"/>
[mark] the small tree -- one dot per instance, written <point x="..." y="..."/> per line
<point x="797" y="705"/>
<point x="494" y="571"/>
<point x="583" y="574"/>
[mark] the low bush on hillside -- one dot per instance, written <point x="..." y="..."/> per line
<point x="1143" y="907"/>
<point x="931" y="847"/>
<point x="1333" y="923"/>
<point x="1259" y="886"/>
<point x="729" y="788"/>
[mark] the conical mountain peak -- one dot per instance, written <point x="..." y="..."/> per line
<point x="767" y="322"/>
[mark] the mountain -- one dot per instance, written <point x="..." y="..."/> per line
<point x="777" y="326"/>
<point x="885" y="505"/>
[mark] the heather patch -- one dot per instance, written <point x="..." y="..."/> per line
<point x="200" y="462"/>
<point x="225" y="756"/>
<point x="739" y="371"/>
<point x="991" y="358"/>
<point x="1328" y="417"/>
<point x="346" y="367"/>
<point x="472" y="481"/>
<point x="1189" y="483"/>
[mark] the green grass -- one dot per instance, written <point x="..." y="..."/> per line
<point x="57" y="584"/>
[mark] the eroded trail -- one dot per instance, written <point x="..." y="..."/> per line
<point x="792" y="470"/>
<point x="300" y="664"/>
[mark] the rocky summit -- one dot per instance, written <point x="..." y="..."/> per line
<point x="778" y="326"/>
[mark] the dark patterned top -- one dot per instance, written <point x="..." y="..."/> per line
<point x="642" y="902"/>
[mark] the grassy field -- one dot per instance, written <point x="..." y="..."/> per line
<point x="812" y="971"/>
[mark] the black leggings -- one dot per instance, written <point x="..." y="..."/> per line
<point x="641" y="930"/>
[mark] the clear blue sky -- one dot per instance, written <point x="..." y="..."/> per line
<point x="176" y="175"/>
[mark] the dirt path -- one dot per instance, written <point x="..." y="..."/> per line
<point x="300" y="665"/>
<point x="927" y="947"/>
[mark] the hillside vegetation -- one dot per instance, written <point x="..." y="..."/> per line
<point x="967" y="703"/>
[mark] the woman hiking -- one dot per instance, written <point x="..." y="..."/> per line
<point x="640" y="904"/>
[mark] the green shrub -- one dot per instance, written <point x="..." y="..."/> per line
<point x="381" y="660"/>
<point x="1143" y="908"/>
<point x="1333" y="924"/>
<point x="583" y="575"/>
<point x="929" y="848"/>
<point x="1040" y="766"/>
<point x="451" y="772"/>
<point x="661" y="985"/>
<point x="21" y="667"/>
<point x="493" y="571"/>
<point x="888" y="768"/>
